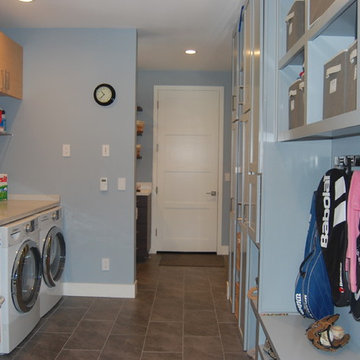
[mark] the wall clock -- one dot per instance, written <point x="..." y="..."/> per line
<point x="104" y="94"/>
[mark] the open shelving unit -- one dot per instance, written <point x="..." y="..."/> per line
<point x="139" y="132"/>
<point x="276" y="169"/>
<point x="335" y="30"/>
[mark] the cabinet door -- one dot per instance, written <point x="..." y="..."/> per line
<point x="11" y="67"/>
<point x="246" y="119"/>
<point x="243" y="277"/>
<point x="247" y="55"/>
<point x="235" y="76"/>
<point x="233" y="212"/>
<point x="254" y="183"/>
<point x="255" y="89"/>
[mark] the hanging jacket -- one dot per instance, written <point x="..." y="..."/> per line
<point x="353" y="218"/>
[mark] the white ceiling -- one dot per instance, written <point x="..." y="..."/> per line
<point x="165" y="27"/>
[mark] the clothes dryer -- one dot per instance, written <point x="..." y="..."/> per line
<point x="53" y="253"/>
<point x="20" y="280"/>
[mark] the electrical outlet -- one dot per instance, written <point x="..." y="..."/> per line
<point x="105" y="264"/>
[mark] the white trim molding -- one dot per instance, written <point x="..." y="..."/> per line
<point x="100" y="290"/>
<point x="223" y="250"/>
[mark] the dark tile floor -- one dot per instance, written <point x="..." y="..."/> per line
<point x="180" y="313"/>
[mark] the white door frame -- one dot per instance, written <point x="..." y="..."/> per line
<point x="221" y="249"/>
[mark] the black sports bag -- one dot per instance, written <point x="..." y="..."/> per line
<point x="312" y="288"/>
<point x="331" y="222"/>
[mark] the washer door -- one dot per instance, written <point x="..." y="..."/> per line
<point x="53" y="257"/>
<point x="26" y="276"/>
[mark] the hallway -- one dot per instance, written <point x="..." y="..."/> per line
<point x="180" y="313"/>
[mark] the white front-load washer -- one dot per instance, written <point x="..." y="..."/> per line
<point x="20" y="280"/>
<point x="53" y="254"/>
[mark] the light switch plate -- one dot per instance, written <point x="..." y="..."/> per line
<point x="105" y="264"/>
<point x="66" y="150"/>
<point x="103" y="184"/>
<point x="122" y="183"/>
<point x="105" y="150"/>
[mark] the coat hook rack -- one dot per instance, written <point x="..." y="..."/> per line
<point x="347" y="161"/>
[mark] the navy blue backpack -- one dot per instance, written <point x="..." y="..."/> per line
<point x="313" y="297"/>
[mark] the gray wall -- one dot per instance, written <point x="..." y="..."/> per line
<point x="146" y="80"/>
<point x="61" y="69"/>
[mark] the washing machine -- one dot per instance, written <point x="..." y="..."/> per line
<point x="20" y="281"/>
<point x="53" y="253"/>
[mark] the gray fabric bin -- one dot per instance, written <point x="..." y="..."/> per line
<point x="295" y="23"/>
<point x="317" y="8"/>
<point x="351" y="78"/>
<point x="296" y="104"/>
<point x="334" y="85"/>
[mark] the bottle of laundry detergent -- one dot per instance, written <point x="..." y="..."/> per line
<point x="2" y="120"/>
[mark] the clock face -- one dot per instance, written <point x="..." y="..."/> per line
<point x="104" y="94"/>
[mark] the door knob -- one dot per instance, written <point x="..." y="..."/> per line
<point x="212" y="193"/>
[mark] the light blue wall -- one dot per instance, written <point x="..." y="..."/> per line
<point x="146" y="80"/>
<point x="346" y="146"/>
<point x="61" y="69"/>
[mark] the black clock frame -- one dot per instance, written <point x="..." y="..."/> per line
<point x="113" y="95"/>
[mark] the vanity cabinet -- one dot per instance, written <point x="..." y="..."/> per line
<point x="11" y="67"/>
<point x="143" y="227"/>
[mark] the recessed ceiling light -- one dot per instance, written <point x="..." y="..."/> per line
<point x="190" y="52"/>
<point x="26" y="1"/>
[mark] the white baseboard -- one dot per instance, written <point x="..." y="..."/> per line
<point x="100" y="290"/>
<point x="223" y="250"/>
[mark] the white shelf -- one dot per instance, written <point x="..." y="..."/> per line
<point x="287" y="335"/>
<point x="335" y="21"/>
<point x="347" y="124"/>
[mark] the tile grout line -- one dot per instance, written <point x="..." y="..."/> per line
<point x="183" y="318"/>
<point x="72" y="333"/>
<point x="33" y="333"/>
<point x="109" y="334"/>
<point x="216" y="315"/>
<point x="150" y="315"/>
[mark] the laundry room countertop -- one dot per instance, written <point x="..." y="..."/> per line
<point x="16" y="208"/>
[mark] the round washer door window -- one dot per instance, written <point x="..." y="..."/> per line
<point x="26" y="276"/>
<point x="53" y="257"/>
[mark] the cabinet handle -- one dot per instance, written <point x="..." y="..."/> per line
<point x="7" y="80"/>
<point x="3" y="84"/>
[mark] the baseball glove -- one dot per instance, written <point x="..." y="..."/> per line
<point x="324" y="335"/>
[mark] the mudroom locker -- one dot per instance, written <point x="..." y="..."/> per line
<point x="296" y="109"/>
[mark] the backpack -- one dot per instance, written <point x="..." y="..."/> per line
<point x="313" y="297"/>
<point x="331" y="217"/>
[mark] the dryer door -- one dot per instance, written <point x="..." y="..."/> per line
<point x="53" y="257"/>
<point x="26" y="276"/>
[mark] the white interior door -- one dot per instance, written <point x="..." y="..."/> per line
<point x="186" y="173"/>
